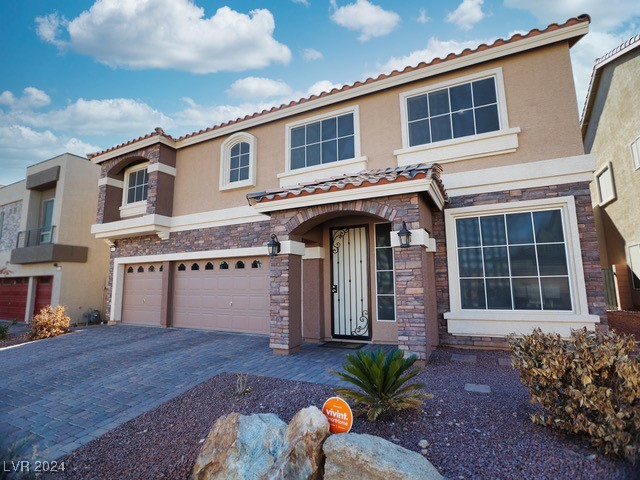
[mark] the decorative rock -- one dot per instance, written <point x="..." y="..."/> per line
<point x="477" y="388"/>
<point x="240" y="446"/>
<point x="423" y="443"/>
<point x="350" y="456"/>
<point x="302" y="455"/>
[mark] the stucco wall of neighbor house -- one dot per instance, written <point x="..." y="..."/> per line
<point x="615" y="124"/>
<point x="540" y="100"/>
<point x="588" y="242"/>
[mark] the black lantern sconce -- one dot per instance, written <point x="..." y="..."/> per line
<point x="273" y="245"/>
<point x="405" y="236"/>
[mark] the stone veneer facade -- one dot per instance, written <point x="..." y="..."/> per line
<point x="588" y="243"/>
<point x="11" y="225"/>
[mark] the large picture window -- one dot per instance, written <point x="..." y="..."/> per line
<point x="513" y="261"/>
<point x="457" y="111"/>
<point x="323" y="142"/>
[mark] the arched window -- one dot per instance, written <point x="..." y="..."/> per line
<point x="208" y="266"/>
<point x="224" y="266"/>
<point x="161" y="268"/>
<point x="195" y="266"/>
<point x="181" y="267"/>
<point x="256" y="264"/>
<point x="238" y="161"/>
<point x="239" y="264"/>
<point x="152" y="269"/>
<point x="130" y="270"/>
<point x="140" y="269"/>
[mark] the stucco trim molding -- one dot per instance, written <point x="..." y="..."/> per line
<point x="161" y="167"/>
<point x="111" y="182"/>
<point x="418" y="237"/>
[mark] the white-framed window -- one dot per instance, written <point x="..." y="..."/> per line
<point x="515" y="266"/>
<point x="322" y="146"/>
<point x="385" y="275"/>
<point x="135" y="190"/>
<point x="634" y="265"/>
<point x="238" y="161"/>
<point x="635" y="153"/>
<point x="605" y="185"/>
<point x="456" y="119"/>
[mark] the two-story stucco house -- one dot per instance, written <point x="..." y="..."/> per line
<point x="611" y="131"/>
<point x="46" y="244"/>
<point x="478" y="154"/>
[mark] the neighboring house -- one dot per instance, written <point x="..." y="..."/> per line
<point x="46" y="243"/>
<point x="502" y="233"/>
<point x="611" y="132"/>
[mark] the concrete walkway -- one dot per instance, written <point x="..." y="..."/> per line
<point x="64" y="392"/>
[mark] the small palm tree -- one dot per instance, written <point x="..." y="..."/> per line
<point x="382" y="380"/>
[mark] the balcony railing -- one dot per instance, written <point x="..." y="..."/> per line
<point x="35" y="237"/>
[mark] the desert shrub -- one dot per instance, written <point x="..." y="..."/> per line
<point x="588" y="384"/>
<point x="50" y="322"/>
<point x="382" y="382"/>
<point x="4" y="331"/>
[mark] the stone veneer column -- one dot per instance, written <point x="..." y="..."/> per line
<point x="410" y="301"/>
<point x="285" y="325"/>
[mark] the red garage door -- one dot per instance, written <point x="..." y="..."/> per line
<point x="43" y="293"/>
<point x="13" y="298"/>
<point x="142" y="296"/>
<point x="231" y="295"/>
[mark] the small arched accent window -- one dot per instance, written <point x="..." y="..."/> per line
<point x="239" y="264"/>
<point x="140" y="269"/>
<point x="130" y="270"/>
<point x="195" y="266"/>
<point x="208" y="266"/>
<point x="224" y="266"/>
<point x="181" y="267"/>
<point x="161" y="268"/>
<point x="256" y="264"/>
<point x="152" y="269"/>
<point x="238" y="165"/>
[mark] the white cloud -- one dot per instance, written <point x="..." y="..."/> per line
<point x="468" y="13"/>
<point x="312" y="54"/>
<point x="369" y="19"/>
<point x="321" y="86"/>
<point x="422" y="17"/>
<point x="604" y="15"/>
<point x="31" y="98"/>
<point x="7" y="98"/>
<point x="306" y="3"/>
<point x="168" y="34"/>
<point x="435" y="48"/>
<point x="258" y="88"/>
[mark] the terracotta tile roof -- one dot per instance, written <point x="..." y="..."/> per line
<point x="451" y="56"/>
<point x="600" y="62"/>
<point x="361" y="179"/>
<point x="158" y="132"/>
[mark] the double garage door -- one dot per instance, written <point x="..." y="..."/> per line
<point x="14" y="293"/>
<point x="209" y="294"/>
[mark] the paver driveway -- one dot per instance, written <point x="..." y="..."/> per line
<point x="65" y="391"/>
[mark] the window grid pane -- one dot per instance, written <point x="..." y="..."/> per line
<point x="137" y="186"/>
<point x="239" y="162"/>
<point x="321" y="142"/>
<point x="385" y="276"/>
<point x="453" y="112"/>
<point x="518" y="271"/>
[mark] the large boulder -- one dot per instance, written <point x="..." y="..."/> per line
<point x="351" y="456"/>
<point x="302" y="456"/>
<point x="240" y="446"/>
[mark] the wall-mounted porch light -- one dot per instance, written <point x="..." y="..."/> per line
<point x="405" y="236"/>
<point x="273" y="245"/>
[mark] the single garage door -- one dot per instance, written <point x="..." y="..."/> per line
<point x="43" y="293"/>
<point x="13" y="298"/>
<point x="230" y="295"/>
<point x="142" y="296"/>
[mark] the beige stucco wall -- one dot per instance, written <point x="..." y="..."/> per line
<point x="614" y="125"/>
<point x="540" y="101"/>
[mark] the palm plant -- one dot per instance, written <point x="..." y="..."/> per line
<point x="382" y="382"/>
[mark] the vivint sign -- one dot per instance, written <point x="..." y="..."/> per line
<point x="339" y="414"/>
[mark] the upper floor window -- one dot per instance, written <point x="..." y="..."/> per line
<point x="635" y="153"/>
<point x="137" y="182"/>
<point x="452" y="112"/>
<point x="238" y="161"/>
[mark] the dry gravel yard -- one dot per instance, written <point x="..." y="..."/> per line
<point x="470" y="435"/>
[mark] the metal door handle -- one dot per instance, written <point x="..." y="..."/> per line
<point x="334" y="288"/>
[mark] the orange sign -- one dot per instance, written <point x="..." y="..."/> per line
<point x="339" y="414"/>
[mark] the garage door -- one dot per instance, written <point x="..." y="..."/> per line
<point x="13" y="298"/>
<point x="142" y="295"/>
<point x="43" y="293"/>
<point x="230" y="295"/>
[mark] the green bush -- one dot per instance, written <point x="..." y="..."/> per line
<point x="4" y="331"/>
<point x="382" y="382"/>
<point x="50" y="322"/>
<point x="588" y="384"/>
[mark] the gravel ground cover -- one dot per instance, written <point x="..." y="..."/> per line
<point x="470" y="435"/>
<point x="14" y="339"/>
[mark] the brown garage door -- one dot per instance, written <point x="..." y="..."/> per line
<point x="13" y="298"/>
<point x="142" y="295"/>
<point x="230" y="295"/>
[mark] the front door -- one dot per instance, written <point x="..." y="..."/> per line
<point x="350" y="283"/>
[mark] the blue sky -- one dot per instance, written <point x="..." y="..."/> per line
<point x="84" y="75"/>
